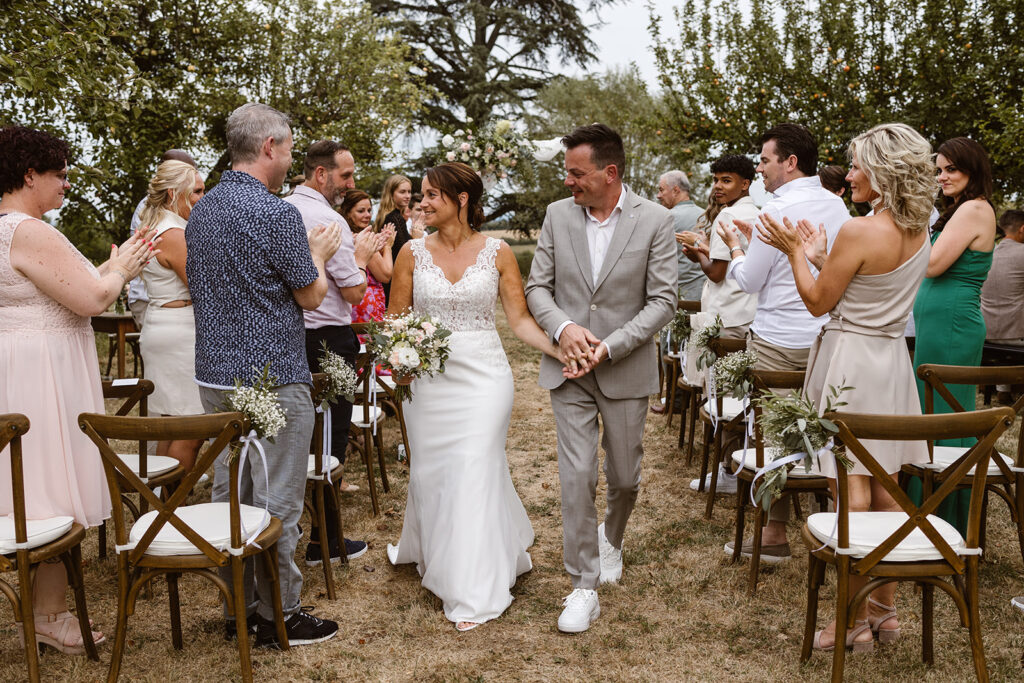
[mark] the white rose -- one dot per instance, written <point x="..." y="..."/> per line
<point x="406" y="357"/>
<point x="429" y="327"/>
<point x="447" y="141"/>
<point x="450" y="156"/>
<point x="459" y="133"/>
<point x="464" y="146"/>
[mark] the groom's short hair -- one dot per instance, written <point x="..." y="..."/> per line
<point x="605" y="145"/>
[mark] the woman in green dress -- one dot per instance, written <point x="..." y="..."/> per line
<point x="947" y="313"/>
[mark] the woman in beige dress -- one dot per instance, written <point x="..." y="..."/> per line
<point x="867" y="285"/>
<point x="168" y="337"/>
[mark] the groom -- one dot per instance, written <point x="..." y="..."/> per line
<point x="602" y="284"/>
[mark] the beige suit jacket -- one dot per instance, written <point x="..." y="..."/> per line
<point x="633" y="298"/>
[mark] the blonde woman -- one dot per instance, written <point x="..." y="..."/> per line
<point x="393" y="201"/>
<point x="169" y="332"/>
<point x="867" y="285"/>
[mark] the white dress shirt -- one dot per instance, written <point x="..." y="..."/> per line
<point x="782" y="318"/>
<point x="736" y="307"/>
<point x="599" y="236"/>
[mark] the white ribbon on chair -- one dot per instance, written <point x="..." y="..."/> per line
<point x="712" y="385"/>
<point x="326" y="443"/>
<point x="248" y="440"/>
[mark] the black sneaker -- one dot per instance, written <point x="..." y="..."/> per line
<point x="302" y="629"/>
<point x="231" y="630"/>
<point x="353" y="549"/>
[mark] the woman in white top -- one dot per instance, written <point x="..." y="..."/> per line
<point x="169" y="333"/>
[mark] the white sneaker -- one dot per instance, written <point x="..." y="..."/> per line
<point x="581" y="608"/>
<point x="1018" y="602"/>
<point x="611" y="558"/>
<point x="726" y="482"/>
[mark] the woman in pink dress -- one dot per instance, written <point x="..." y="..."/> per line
<point x="48" y="365"/>
<point x="356" y="210"/>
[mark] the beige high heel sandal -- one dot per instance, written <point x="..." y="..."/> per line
<point x="65" y="634"/>
<point x="860" y="626"/>
<point x="885" y="635"/>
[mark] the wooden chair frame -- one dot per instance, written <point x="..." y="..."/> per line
<point x="319" y="487"/>
<point x="1008" y="484"/>
<point x="136" y="392"/>
<point x="135" y="568"/>
<point x="363" y="438"/>
<point x="672" y="381"/>
<point x="734" y="427"/>
<point x="763" y="382"/>
<point x="987" y="425"/>
<point x="25" y="560"/>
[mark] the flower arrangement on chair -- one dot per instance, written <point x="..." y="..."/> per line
<point x="341" y="377"/>
<point x="259" y="404"/>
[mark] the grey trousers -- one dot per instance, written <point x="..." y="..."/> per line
<point x="577" y="404"/>
<point x="286" y="471"/>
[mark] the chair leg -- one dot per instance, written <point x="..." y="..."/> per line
<point x="1018" y="498"/>
<point x="693" y="410"/>
<point x="842" y="614"/>
<point x="379" y="444"/>
<point x="340" y="536"/>
<point x="685" y="402"/>
<point x="238" y="606"/>
<point x="927" y="623"/>
<point x="73" y="567"/>
<point x="705" y="456"/>
<point x="103" y="540"/>
<point x="270" y="557"/>
<point x="23" y="611"/>
<point x="175" y="606"/>
<point x="368" y="461"/>
<point x="815" y="575"/>
<point x="325" y="548"/>
<point x="742" y="493"/>
<point x="710" y="506"/>
<point x="405" y="434"/>
<point x="121" y="634"/>
<point x="755" y="555"/>
<point x="670" y="403"/>
<point x="977" y="646"/>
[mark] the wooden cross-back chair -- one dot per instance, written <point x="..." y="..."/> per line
<point x="1005" y="476"/>
<point x="323" y="476"/>
<point x="25" y="543"/>
<point x="730" y="420"/>
<point x="155" y="470"/>
<point x="368" y="421"/>
<point x="748" y="462"/>
<point x="174" y="539"/>
<point x="671" y="380"/>
<point x="909" y="545"/>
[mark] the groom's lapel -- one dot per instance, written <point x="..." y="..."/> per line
<point x="623" y="231"/>
<point x="580" y="246"/>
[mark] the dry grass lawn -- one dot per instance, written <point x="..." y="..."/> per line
<point x="680" y="613"/>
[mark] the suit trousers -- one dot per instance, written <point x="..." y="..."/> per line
<point x="578" y="405"/>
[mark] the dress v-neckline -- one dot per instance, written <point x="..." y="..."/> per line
<point x="475" y="264"/>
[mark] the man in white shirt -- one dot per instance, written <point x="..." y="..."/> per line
<point x="783" y="329"/>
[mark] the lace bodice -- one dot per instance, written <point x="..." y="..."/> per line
<point x="23" y="308"/>
<point x="467" y="305"/>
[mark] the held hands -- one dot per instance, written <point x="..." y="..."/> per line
<point x="579" y="350"/>
<point x="367" y="243"/>
<point x="324" y="240"/>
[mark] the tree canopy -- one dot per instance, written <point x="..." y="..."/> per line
<point x="946" y="67"/>
<point x="124" y="80"/>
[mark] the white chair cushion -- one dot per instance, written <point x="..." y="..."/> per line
<point x="944" y="456"/>
<point x="155" y="464"/>
<point x="212" y="521"/>
<point x="869" y="529"/>
<point x="769" y="455"/>
<point x="311" y="472"/>
<point x="731" y="407"/>
<point x="376" y="413"/>
<point x="386" y="380"/>
<point x="38" y="531"/>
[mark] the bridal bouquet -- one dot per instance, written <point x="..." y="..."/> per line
<point x="341" y="377"/>
<point x="798" y="434"/>
<point x="259" y="404"/>
<point x="410" y="345"/>
<point x="494" y="150"/>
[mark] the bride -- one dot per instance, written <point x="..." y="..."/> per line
<point x="465" y="527"/>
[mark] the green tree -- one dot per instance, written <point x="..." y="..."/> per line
<point x="123" y="80"/>
<point x="488" y="57"/>
<point x="948" y="68"/>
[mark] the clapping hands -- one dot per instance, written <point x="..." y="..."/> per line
<point x="367" y="243"/>
<point x="324" y="240"/>
<point x="791" y="239"/>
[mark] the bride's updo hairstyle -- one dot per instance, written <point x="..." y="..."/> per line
<point x="900" y="166"/>
<point x="455" y="178"/>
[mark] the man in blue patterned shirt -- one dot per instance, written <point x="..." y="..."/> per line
<point x="252" y="269"/>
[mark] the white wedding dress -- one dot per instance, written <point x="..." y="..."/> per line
<point x="465" y="527"/>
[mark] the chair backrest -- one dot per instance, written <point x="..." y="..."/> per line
<point x="691" y="306"/>
<point x="855" y="428"/>
<point x="366" y="369"/>
<point x="134" y="392"/>
<point x="224" y="428"/>
<point x="12" y="427"/>
<point x="764" y="382"/>
<point x="936" y="377"/>
<point x="721" y="347"/>
<point x="316" y="443"/>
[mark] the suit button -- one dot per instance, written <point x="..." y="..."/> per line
<point x="593" y="307"/>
